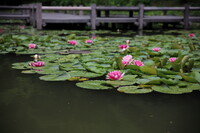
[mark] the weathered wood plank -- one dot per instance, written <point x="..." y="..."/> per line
<point x="39" y="16"/>
<point x="114" y="8"/>
<point x="65" y="8"/>
<point x="116" y="20"/>
<point x="141" y="15"/>
<point x="64" y="18"/>
<point x="15" y="7"/>
<point x="186" y="17"/>
<point x="163" y="8"/>
<point x="93" y="17"/>
<point x="14" y="16"/>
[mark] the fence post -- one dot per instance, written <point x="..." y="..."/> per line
<point x="186" y="16"/>
<point x="39" y="16"/>
<point x="93" y="17"/>
<point x="81" y="11"/>
<point x="141" y="15"/>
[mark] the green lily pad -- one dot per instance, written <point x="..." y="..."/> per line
<point x="54" y="77"/>
<point x="94" y="85"/>
<point x="133" y="90"/>
<point x="172" y="89"/>
<point x="148" y="70"/>
<point x="117" y="83"/>
<point x="84" y="74"/>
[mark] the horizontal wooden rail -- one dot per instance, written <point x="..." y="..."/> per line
<point x="114" y="8"/>
<point x="164" y="8"/>
<point x="15" y="7"/>
<point x="65" y="8"/>
<point x="194" y="8"/>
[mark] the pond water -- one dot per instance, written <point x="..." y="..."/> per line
<point x="29" y="105"/>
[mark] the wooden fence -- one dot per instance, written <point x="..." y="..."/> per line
<point x="93" y="15"/>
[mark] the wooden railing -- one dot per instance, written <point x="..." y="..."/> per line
<point x="32" y="13"/>
<point x="102" y="14"/>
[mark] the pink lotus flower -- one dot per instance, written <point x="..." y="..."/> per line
<point x="115" y="75"/>
<point x="191" y="35"/>
<point x="173" y="59"/>
<point x="138" y="63"/>
<point x="22" y="27"/>
<point x="72" y="42"/>
<point x="123" y="47"/>
<point x="37" y="64"/>
<point x="156" y="49"/>
<point x="32" y="45"/>
<point x="88" y="41"/>
<point x="127" y="60"/>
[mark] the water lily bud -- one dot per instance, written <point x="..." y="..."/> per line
<point x="36" y="57"/>
<point x="127" y="41"/>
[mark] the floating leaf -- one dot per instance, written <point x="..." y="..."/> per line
<point x="94" y="85"/>
<point x="133" y="90"/>
<point x="83" y="74"/>
<point x="189" y="78"/>
<point x="54" y="77"/>
<point x="172" y="89"/>
<point x="148" y="70"/>
<point x="118" y="83"/>
<point x="28" y="71"/>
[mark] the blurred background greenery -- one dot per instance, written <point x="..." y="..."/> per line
<point x="104" y="2"/>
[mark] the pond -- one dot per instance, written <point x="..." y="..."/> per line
<point x="30" y="105"/>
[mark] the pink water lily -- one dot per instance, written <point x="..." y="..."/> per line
<point x="127" y="41"/>
<point x="88" y="41"/>
<point x="37" y="64"/>
<point x="127" y="60"/>
<point x="191" y="35"/>
<point x="1" y="30"/>
<point x="32" y="46"/>
<point x="138" y="63"/>
<point x="156" y="49"/>
<point x="93" y="37"/>
<point x="123" y="47"/>
<point x="173" y="59"/>
<point x="72" y="42"/>
<point x="115" y="75"/>
<point x="22" y="26"/>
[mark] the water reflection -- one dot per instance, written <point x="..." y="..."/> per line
<point x="29" y="105"/>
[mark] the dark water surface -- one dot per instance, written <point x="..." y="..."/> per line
<point x="29" y="105"/>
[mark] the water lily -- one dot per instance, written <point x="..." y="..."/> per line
<point x="93" y="37"/>
<point x="192" y="35"/>
<point x="1" y="30"/>
<point x="138" y="63"/>
<point x="22" y="27"/>
<point x="88" y="41"/>
<point x="72" y="42"/>
<point x="127" y="60"/>
<point x="32" y="46"/>
<point x="173" y="59"/>
<point x="115" y="75"/>
<point x="123" y="47"/>
<point x="36" y="57"/>
<point x="37" y="64"/>
<point x="127" y="41"/>
<point x="156" y="49"/>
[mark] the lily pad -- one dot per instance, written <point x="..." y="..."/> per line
<point x="134" y="90"/>
<point x="94" y="85"/>
<point x="54" y="77"/>
<point x="172" y="89"/>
